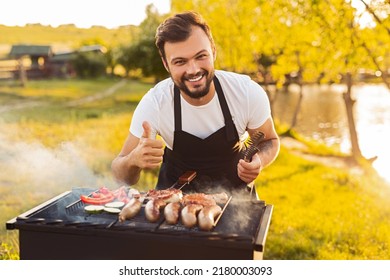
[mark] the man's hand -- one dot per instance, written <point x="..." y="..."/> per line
<point x="149" y="152"/>
<point x="248" y="171"/>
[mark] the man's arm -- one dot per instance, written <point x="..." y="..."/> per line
<point x="137" y="154"/>
<point x="269" y="149"/>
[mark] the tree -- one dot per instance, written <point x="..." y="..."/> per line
<point x="90" y="65"/>
<point x="316" y="40"/>
<point x="376" y="43"/>
<point x="142" y="52"/>
<point x="235" y="27"/>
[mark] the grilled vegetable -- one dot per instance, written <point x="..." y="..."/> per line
<point x="115" y="204"/>
<point x="103" y="199"/>
<point x="93" y="209"/>
<point x="112" y="210"/>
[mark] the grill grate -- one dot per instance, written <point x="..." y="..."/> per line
<point x="74" y="216"/>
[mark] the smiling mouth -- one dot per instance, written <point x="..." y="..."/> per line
<point x="195" y="79"/>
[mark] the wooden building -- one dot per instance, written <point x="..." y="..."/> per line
<point x="38" y="56"/>
<point x="39" y="61"/>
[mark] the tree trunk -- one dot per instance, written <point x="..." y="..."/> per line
<point x="349" y="103"/>
<point x="300" y="83"/>
<point x="297" y="108"/>
<point x="22" y="73"/>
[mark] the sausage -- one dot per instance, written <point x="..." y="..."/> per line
<point x="172" y="212"/>
<point x="207" y="217"/>
<point x="152" y="209"/>
<point x="130" y="210"/>
<point x="189" y="213"/>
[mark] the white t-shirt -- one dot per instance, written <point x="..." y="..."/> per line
<point x="248" y="104"/>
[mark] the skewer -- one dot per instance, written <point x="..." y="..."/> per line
<point x="223" y="210"/>
<point x="112" y="223"/>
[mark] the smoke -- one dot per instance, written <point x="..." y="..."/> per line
<point x="38" y="168"/>
<point x="241" y="214"/>
<point x="241" y="218"/>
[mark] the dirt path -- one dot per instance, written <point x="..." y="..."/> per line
<point x="301" y="150"/>
<point x="20" y="106"/>
<point x="97" y="96"/>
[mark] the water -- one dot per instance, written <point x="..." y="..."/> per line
<point x="323" y="118"/>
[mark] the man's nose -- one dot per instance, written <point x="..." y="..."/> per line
<point x="193" y="67"/>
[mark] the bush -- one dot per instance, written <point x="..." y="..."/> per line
<point x="90" y="65"/>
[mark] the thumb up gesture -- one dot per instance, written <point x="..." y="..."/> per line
<point x="149" y="152"/>
<point x="147" y="130"/>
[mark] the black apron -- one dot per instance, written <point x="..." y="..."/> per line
<point x="214" y="158"/>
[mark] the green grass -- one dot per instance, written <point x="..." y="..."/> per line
<point x="325" y="213"/>
<point x="319" y="212"/>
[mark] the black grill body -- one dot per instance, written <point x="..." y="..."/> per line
<point x="55" y="231"/>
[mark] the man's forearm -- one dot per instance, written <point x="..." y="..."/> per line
<point x="124" y="171"/>
<point x="269" y="150"/>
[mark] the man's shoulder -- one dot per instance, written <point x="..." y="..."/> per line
<point x="161" y="90"/>
<point x="163" y="85"/>
<point x="231" y="75"/>
<point x="232" y="78"/>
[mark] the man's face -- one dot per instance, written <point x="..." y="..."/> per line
<point x="191" y="63"/>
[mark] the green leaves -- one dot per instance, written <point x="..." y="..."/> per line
<point x="319" y="38"/>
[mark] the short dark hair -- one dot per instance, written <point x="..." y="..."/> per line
<point x="178" y="28"/>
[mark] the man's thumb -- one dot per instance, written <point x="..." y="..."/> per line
<point x="147" y="130"/>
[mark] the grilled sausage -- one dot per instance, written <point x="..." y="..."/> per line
<point x="189" y="213"/>
<point x="172" y="212"/>
<point x="207" y="217"/>
<point x="130" y="210"/>
<point x="152" y="209"/>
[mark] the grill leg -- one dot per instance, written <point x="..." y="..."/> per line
<point x="257" y="255"/>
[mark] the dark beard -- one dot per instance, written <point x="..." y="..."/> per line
<point x="197" y="93"/>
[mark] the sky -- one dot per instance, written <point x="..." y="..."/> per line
<point x="82" y="13"/>
<point x="86" y="13"/>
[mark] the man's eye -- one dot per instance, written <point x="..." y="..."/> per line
<point x="178" y="62"/>
<point x="202" y="56"/>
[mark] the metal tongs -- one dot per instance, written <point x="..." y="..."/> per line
<point x="253" y="148"/>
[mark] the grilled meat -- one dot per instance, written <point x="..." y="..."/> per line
<point x="130" y="210"/>
<point x="189" y="214"/>
<point x="172" y="212"/>
<point x="207" y="215"/>
<point x="168" y="195"/>
<point x="198" y="198"/>
<point x="153" y="208"/>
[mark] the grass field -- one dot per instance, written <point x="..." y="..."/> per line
<point x="50" y="143"/>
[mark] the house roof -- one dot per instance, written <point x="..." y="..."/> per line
<point x="31" y="50"/>
<point x="63" y="56"/>
<point x="92" y="48"/>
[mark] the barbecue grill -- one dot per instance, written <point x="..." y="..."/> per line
<point x="61" y="229"/>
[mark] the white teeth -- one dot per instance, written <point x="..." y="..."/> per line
<point x="196" y="79"/>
